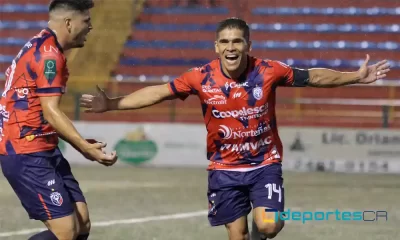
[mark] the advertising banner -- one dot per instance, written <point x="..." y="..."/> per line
<point x="305" y="149"/>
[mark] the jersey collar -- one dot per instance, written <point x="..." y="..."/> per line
<point x="55" y="38"/>
<point x="243" y="76"/>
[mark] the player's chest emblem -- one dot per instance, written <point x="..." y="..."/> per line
<point x="257" y="93"/>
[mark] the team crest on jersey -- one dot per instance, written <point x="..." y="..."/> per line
<point x="257" y="93"/>
<point x="56" y="198"/>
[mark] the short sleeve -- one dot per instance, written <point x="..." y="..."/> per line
<point x="183" y="86"/>
<point x="50" y="72"/>
<point x="290" y="77"/>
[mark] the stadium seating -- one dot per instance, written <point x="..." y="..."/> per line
<point x="168" y="40"/>
<point x="19" y="20"/>
<point x="350" y="11"/>
<point x="176" y="37"/>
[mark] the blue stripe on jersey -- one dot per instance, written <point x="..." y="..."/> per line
<point x="31" y="73"/>
<point x="42" y="119"/>
<point x="259" y="158"/>
<point x="20" y="101"/>
<point x="25" y="130"/>
<point x="9" y="148"/>
<point x="172" y="84"/>
<point x="244" y="122"/>
<point x="206" y="69"/>
<point x="212" y="82"/>
<point x="25" y="49"/>
<point x="193" y="91"/>
<point x="204" y="108"/>
<point x="217" y="156"/>
<point x="205" y="80"/>
<point x="39" y="43"/>
<point x="49" y="90"/>
<point x="256" y="79"/>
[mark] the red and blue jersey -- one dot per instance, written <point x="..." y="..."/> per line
<point x="38" y="70"/>
<point x="239" y="115"/>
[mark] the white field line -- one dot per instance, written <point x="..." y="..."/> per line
<point x="158" y="218"/>
<point x="116" y="222"/>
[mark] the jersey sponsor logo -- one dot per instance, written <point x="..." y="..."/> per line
<point x="51" y="182"/>
<point x="209" y="89"/>
<point x="216" y="100"/>
<point x="247" y="146"/>
<point x="283" y="64"/>
<point x="229" y="133"/>
<point x="235" y="85"/>
<point x="50" y="49"/>
<point x="50" y="69"/>
<point x="237" y="95"/>
<point x="257" y="93"/>
<point x="243" y="114"/>
<point x="22" y="92"/>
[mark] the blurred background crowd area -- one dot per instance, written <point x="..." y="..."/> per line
<point x="136" y="43"/>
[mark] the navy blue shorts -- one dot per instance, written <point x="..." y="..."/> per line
<point x="43" y="182"/>
<point x="232" y="195"/>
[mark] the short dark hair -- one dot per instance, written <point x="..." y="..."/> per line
<point x="77" y="5"/>
<point x="235" y="23"/>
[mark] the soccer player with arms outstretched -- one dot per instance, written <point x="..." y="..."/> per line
<point x="31" y="123"/>
<point x="237" y="94"/>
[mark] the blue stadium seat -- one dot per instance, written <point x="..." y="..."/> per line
<point x="169" y="44"/>
<point x="12" y="41"/>
<point x="6" y="58"/>
<point x="28" y="8"/>
<point x="328" y="28"/>
<point x="278" y="27"/>
<point x="335" y="63"/>
<point x="184" y="10"/>
<point x="175" y="27"/>
<point x="350" y="11"/>
<point x="163" y="62"/>
<point x="267" y="44"/>
<point x="23" y="24"/>
<point x="147" y="78"/>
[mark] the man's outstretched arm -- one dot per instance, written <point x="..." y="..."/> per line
<point x="181" y="88"/>
<point x="64" y="127"/>
<point x="321" y="77"/>
<point x="141" y="98"/>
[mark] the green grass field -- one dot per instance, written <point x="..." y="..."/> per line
<point x="143" y="203"/>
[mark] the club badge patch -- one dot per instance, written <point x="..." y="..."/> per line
<point x="56" y="198"/>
